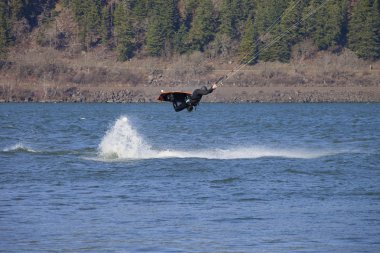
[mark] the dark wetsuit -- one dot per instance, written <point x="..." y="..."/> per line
<point x="194" y="99"/>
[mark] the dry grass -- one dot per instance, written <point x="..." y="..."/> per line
<point x="47" y="71"/>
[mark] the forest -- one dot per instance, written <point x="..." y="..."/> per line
<point x="250" y="30"/>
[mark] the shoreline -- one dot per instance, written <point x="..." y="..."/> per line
<point x="47" y="75"/>
<point x="223" y="94"/>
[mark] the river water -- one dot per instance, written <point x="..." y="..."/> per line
<point x="225" y="178"/>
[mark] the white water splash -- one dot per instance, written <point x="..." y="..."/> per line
<point x="122" y="141"/>
<point x="19" y="147"/>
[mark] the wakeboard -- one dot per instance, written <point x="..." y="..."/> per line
<point x="171" y="96"/>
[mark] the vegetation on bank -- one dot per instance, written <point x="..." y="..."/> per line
<point x="127" y="50"/>
<point x="217" y="28"/>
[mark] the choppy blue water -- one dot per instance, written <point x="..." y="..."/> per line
<point x="226" y="178"/>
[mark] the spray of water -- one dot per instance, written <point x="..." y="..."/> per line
<point x="19" y="147"/>
<point x="122" y="141"/>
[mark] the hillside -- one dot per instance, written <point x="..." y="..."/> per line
<point x="127" y="51"/>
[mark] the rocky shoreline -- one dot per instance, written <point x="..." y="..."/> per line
<point x="42" y="75"/>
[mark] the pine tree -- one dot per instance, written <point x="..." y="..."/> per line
<point x="309" y="17"/>
<point x="3" y="29"/>
<point x="87" y="15"/>
<point x="247" y="9"/>
<point x="326" y="26"/>
<point x="169" y="17"/>
<point x="283" y="35"/>
<point x="268" y="12"/>
<point x="16" y="8"/>
<point x="155" y="38"/>
<point x="363" y="36"/>
<point x="227" y="32"/>
<point x="93" y="16"/>
<point x="233" y="14"/>
<point x="277" y="47"/>
<point x="291" y="21"/>
<point x="376" y="15"/>
<point x="79" y="9"/>
<point x="162" y="27"/>
<point x="180" y="40"/>
<point x="157" y="28"/>
<point x="248" y="46"/>
<point x="202" y="29"/>
<point x="289" y="31"/>
<point x="141" y="9"/>
<point x="106" y="24"/>
<point x="227" y="19"/>
<point x="123" y="32"/>
<point x="190" y="8"/>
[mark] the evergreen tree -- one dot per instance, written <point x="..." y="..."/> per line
<point x="79" y="9"/>
<point x="247" y="9"/>
<point x="141" y="8"/>
<point x="376" y="9"/>
<point x="326" y="26"/>
<point x="180" y="40"/>
<point x="106" y="24"/>
<point x="267" y="13"/>
<point x="309" y="24"/>
<point x="16" y="7"/>
<point x="277" y="48"/>
<point x="233" y="14"/>
<point x="227" y="19"/>
<point x="283" y="35"/>
<point x="248" y="46"/>
<point x="169" y="17"/>
<point x="123" y="32"/>
<point x="363" y="36"/>
<point x="291" y="21"/>
<point x="92" y="19"/>
<point x="190" y="8"/>
<point x="3" y="29"/>
<point x="227" y="30"/>
<point x="202" y="29"/>
<point x="155" y="38"/>
<point x="87" y="15"/>
<point x="162" y="27"/>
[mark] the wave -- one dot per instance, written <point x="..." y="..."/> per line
<point x="22" y="148"/>
<point x="123" y="142"/>
<point x="19" y="147"/>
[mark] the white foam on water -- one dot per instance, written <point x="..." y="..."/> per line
<point x="122" y="141"/>
<point x="19" y="147"/>
<point x="242" y="153"/>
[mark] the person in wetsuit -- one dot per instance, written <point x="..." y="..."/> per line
<point x="194" y="100"/>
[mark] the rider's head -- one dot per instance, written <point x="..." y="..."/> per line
<point x="204" y="88"/>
